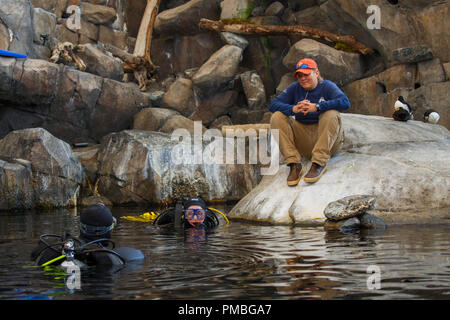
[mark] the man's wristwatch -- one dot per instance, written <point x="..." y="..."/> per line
<point x="318" y="107"/>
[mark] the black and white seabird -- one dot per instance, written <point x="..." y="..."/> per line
<point x="402" y="110"/>
<point x="431" y="116"/>
<point x="402" y="104"/>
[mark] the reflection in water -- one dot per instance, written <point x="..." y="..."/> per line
<point x="235" y="261"/>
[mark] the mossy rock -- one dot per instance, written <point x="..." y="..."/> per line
<point x="348" y="207"/>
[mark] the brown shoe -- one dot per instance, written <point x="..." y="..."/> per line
<point x="295" y="174"/>
<point x="315" y="172"/>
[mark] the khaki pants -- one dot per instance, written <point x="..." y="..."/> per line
<point x="317" y="141"/>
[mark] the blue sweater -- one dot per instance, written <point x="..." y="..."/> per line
<point x="326" y="94"/>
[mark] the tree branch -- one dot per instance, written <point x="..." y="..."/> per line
<point x="266" y="30"/>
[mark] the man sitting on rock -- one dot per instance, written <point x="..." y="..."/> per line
<point x="316" y="132"/>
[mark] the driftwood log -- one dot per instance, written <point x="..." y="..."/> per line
<point x="142" y="68"/>
<point x="139" y="62"/>
<point x="267" y="30"/>
<point x="66" y="53"/>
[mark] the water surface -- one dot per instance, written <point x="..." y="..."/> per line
<point x="236" y="261"/>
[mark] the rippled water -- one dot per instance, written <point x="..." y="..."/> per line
<point x="236" y="261"/>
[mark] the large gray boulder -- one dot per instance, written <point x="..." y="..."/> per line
<point x="235" y="9"/>
<point x="37" y="170"/>
<point x="139" y="167"/>
<point x="433" y="19"/>
<point x="152" y="119"/>
<point x="16" y="190"/>
<point x="398" y="28"/>
<point x="377" y="94"/>
<point x="220" y="68"/>
<point x="408" y="24"/>
<point x="184" y="19"/>
<point x="17" y="17"/>
<point x="406" y="166"/>
<point x="98" y="14"/>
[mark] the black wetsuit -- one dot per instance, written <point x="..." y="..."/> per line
<point x="97" y="254"/>
<point x="167" y="217"/>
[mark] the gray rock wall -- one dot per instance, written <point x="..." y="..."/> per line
<point x="410" y="60"/>
<point x="37" y="170"/>
<point x="74" y="106"/>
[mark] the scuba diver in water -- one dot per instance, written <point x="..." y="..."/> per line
<point x="91" y="248"/>
<point x="190" y="213"/>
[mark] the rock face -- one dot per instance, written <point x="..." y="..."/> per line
<point x="70" y="104"/>
<point x="432" y="96"/>
<point x="399" y="26"/>
<point x="422" y="85"/>
<point x="44" y="22"/>
<point x="37" y="170"/>
<point x="17" y="17"/>
<point x="137" y="167"/>
<point x="99" y="63"/>
<point x="180" y="96"/>
<point x="98" y="14"/>
<point x="406" y="166"/>
<point x="4" y="37"/>
<point x="411" y="52"/>
<point x="184" y="19"/>
<point x="235" y="9"/>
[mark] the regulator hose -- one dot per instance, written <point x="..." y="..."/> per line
<point x="78" y="250"/>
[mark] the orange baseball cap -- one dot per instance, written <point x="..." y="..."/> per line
<point x="305" y="66"/>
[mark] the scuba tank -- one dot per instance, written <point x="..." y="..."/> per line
<point x="72" y="266"/>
